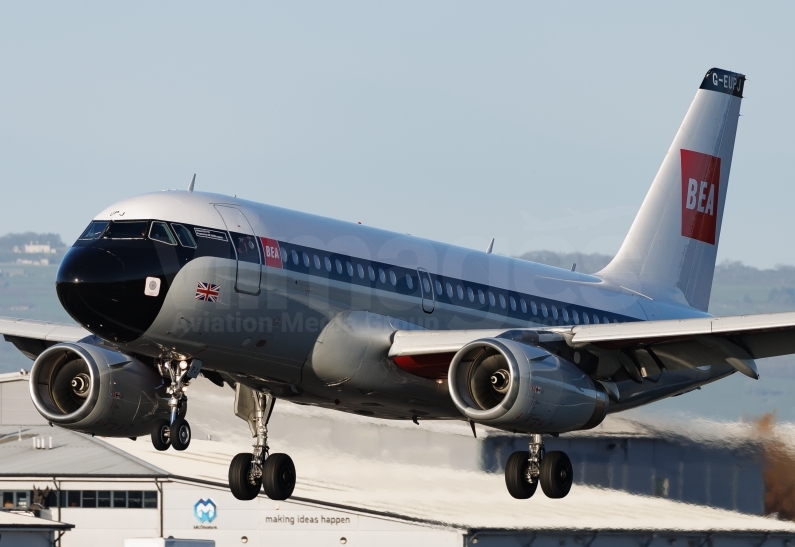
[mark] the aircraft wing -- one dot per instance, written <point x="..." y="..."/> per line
<point x="33" y="337"/>
<point x="637" y="347"/>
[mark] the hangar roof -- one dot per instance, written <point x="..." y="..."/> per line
<point x="18" y="521"/>
<point x="72" y="454"/>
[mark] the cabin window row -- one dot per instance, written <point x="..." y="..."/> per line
<point x="378" y="274"/>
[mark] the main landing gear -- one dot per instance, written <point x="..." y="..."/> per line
<point x="524" y="470"/>
<point x="175" y="431"/>
<point x="274" y="473"/>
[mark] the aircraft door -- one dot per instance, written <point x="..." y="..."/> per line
<point x="246" y="249"/>
<point x="426" y="288"/>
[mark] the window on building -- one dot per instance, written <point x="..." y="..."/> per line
<point x="104" y="498"/>
<point x="89" y="498"/>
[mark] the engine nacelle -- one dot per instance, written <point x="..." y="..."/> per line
<point x="514" y="386"/>
<point x="96" y="390"/>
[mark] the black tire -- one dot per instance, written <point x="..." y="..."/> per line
<point x="278" y="476"/>
<point x="180" y="434"/>
<point x="516" y="476"/>
<point x="161" y="435"/>
<point x="239" y="482"/>
<point x="556" y="474"/>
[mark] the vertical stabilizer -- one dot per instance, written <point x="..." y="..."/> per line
<point x="669" y="252"/>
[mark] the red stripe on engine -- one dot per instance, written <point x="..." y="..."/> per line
<point x="433" y="366"/>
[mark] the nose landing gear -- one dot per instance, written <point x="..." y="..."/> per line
<point x="275" y="473"/>
<point x="525" y="470"/>
<point x="176" y="430"/>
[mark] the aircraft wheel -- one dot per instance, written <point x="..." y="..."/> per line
<point x="161" y="435"/>
<point x="239" y="478"/>
<point x="556" y="474"/>
<point x="180" y="438"/>
<point x="516" y="476"/>
<point x="278" y="476"/>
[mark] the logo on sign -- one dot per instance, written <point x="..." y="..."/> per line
<point x="700" y="195"/>
<point x="205" y="510"/>
<point x="272" y="255"/>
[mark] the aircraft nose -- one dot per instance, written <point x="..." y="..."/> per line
<point x="103" y="289"/>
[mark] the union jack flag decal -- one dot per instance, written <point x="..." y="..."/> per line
<point x="207" y="291"/>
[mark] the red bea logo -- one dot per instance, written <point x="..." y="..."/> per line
<point x="700" y="195"/>
<point x="272" y="255"/>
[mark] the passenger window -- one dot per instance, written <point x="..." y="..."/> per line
<point x="523" y="304"/>
<point x="513" y="303"/>
<point x="585" y="318"/>
<point x="159" y="232"/>
<point x="544" y="311"/>
<point x="491" y="299"/>
<point x="595" y="319"/>
<point x="554" y="312"/>
<point x="134" y="229"/>
<point x="481" y="297"/>
<point x="284" y="255"/>
<point x="95" y="229"/>
<point x="328" y="264"/>
<point x="470" y="294"/>
<point x="317" y="262"/>
<point x="449" y="290"/>
<point x="371" y="273"/>
<point x="306" y="260"/>
<point x="349" y="267"/>
<point x="360" y="270"/>
<point x="460" y="292"/>
<point x="339" y="266"/>
<point x="426" y="286"/>
<point x="438" y="287"/>
<point x="392" y="278"/>
<point x="295" y="258"/>
<point x="184" y="236"/>
<point x="502" y="301"/>
<point x="533" y="307"/>
<point x="575" y="316"/>
<point x="409" y="282"/>
<point x="605" y="319"/>
<point x="247" y="250"/>
<point x="382" y="275"/>
<point x="565" y="313"/>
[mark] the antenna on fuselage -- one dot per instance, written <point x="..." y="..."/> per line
<point x="192" y="182"/>
<point x="491" y="246"/>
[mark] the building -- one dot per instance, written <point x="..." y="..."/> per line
<point x="361" y="482"/>
<point x="24" y="529"/>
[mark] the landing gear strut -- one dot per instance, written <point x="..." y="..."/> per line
<point x="525" y="470"/>
<point x="176" y="430"/>
<point x="274" y="472"/>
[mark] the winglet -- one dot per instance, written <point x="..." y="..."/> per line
<point x="192" y="182"/>
<point x="491" y="246"/>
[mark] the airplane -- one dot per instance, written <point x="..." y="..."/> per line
<point x="285" y="305"/>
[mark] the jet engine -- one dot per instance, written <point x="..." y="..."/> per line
<point x="96" y="390"/>
<point x="515" y="386"/>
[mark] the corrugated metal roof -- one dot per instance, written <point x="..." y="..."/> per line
<point x="72" y="454"/>
<point x="15" y="520"/>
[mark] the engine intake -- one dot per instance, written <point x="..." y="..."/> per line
<point x="95" y="390"/>
<point x="515" y="386"/>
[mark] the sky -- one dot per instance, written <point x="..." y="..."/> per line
<point x="539" y="124"/>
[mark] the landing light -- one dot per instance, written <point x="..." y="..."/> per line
<point x="183" y="365"/>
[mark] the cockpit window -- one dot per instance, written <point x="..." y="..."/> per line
<point x="184" y="236"/>
<point x="160" y="232"/>
<point x="95" y="229"/>
<point x="128" y="229"/>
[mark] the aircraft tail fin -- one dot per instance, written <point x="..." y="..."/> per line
<point x="670" y="249"/>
